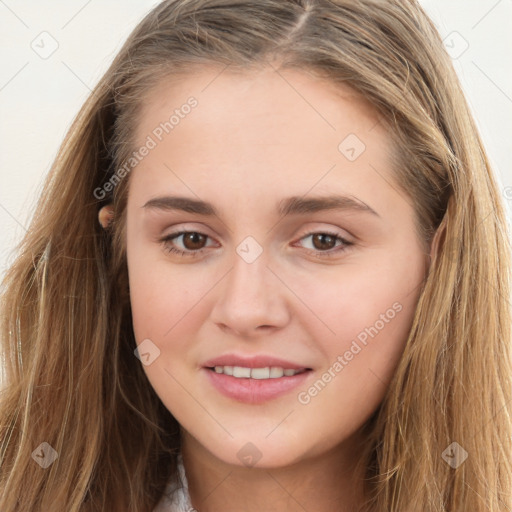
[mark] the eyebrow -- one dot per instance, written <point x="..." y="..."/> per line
<point x="295" y="205"/>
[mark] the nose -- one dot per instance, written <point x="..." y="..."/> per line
<point x="251" y="300"/>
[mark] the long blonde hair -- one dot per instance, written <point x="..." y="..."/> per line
<point x="71" y="378"/>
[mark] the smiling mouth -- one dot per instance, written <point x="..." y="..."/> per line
<point x="269" y="372"/>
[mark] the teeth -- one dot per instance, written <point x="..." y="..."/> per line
<point x="276" y="372"/>
<point x="260" y="373"/>
<point x="239" y="371"/>
<point x="273" y="372"/>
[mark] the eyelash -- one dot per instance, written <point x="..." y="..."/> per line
<point x="192" y="254"/>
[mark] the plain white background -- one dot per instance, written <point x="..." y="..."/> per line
<point x="40" y="94"/>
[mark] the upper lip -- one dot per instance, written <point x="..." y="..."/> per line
<point x="255" y="361"/>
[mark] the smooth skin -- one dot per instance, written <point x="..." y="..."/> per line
<point x="254" y="139"/>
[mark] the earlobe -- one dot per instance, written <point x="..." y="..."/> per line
<point x="106" y="215"/>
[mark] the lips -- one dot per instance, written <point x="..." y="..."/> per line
<point x="257" y="361"/>
<point x="254" y="379"/>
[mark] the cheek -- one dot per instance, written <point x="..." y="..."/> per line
<point x="160" y="307"/>
<point x="167" y="300"/>
<point x="349" y="298"/>
<point x="369" y="312"/>
<point x="166" y="308"/>
<point x="372" y="324"/>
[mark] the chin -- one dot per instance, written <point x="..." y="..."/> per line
<point x="264" y="454"/>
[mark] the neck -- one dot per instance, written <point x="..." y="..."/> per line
<point x="322" y="483"/>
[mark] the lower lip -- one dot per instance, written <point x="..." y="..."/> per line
<point x="255" y="391"/>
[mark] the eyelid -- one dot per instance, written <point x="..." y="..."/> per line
<point x="333" y="231"/>
<point x="339" y="232"/>
<point x="166" y="239"/>
<point x="336" y="251"/>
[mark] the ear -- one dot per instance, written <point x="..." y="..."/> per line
<point x="105" y="215"/>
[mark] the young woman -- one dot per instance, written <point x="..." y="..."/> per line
<point x="269" y="271"/>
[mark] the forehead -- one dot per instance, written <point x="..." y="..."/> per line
<point x="265" y="93"/>
<point x="264" y="129"/>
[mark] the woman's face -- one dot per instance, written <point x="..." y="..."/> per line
<point x="325" y="284"/>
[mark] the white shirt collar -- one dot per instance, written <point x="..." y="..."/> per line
<point x="176" y="498"/>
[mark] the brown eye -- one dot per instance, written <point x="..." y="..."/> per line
<point x="193" y="241"/>
<point x="323" y="241"/>
<point x="324" y="244"/>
